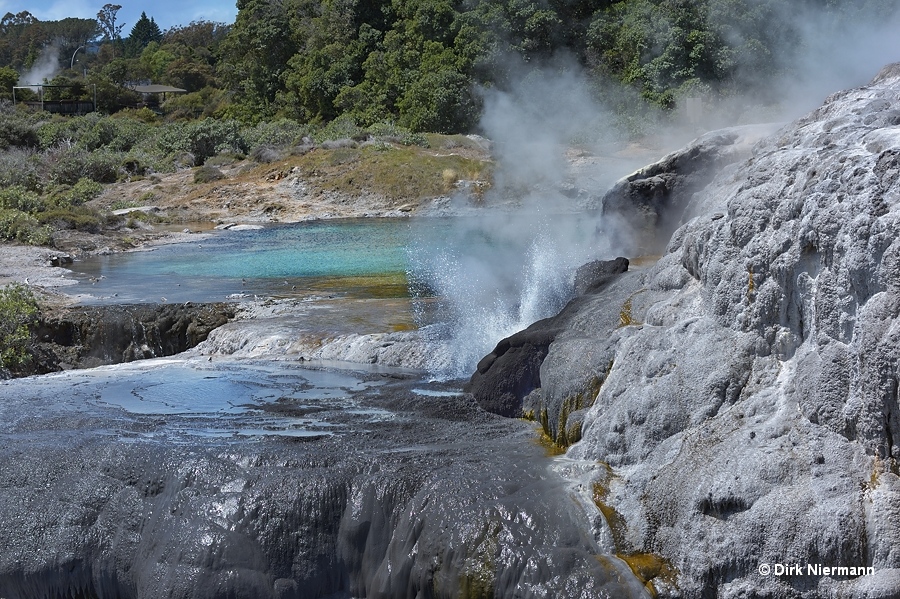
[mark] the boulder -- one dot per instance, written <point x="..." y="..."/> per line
<point x="592" y="276"/>
<point x="513" y="369"/>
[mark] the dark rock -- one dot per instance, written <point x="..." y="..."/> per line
<point x="512" y="371"/>
<point x="505" y="376"/>
<point x="88" y="336"/>
<point x="60" y="259"/>
<point x="592" y="276"/>
<point x="653" y="201"/>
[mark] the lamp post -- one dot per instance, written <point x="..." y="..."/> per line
<point x="72" y="63"/>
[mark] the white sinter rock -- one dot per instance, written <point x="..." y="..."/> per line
<point x="751" y="416"/>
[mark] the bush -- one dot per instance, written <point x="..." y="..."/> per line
<point x="18" y="313"/>
<point x="202" y="139"/>
<point x="69" y="165"/>
<point x="59" y="131"/>
<point x="280" y="133"/>
<point x="19" y="198"/>
<point x="83" y="191"/>
<point x="72" y="217"/>
<point x="343" y="127"/>
<point x="22" y="168"/>
<point x="16" y="225"/>
<point x="207" y="174"/>
<point x="265" y="154"/>
<point x="144" y="115"/>
<point x="16" y="131"/>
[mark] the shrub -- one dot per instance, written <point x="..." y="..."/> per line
<point x="343" y="127"/>
<point x="84" y="191"/>
<point x="95" y="132"/>
<point x="144" y="115"/>
<point x="201" y="139"/>
<point x="69" y="165"/>
<point x="129" y="133"/>
<point x="283" y="132"/>
<point x="72" y="217"/>
<point x="23" y="168"/>
<point x="59" y="131"/>
<point x="396" y="134"/>
<point x="265" y="154"/>
<point x="16" y="131"/>
<point x="207" y="174"/>
<point x="19" y="198"/>
<point x="16" y="225"/>
<point x="18" y="313"/>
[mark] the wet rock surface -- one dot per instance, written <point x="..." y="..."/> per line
<point x="430" y="497"/>
<point x="743" y="391"/>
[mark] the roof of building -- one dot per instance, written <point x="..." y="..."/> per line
<point x="157" y="89"/>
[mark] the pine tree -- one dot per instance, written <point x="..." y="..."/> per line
<point x="144" y="31"/>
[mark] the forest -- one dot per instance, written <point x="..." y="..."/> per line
<point x="424" y="64"/>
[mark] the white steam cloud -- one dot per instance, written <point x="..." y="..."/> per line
<point x="514" y="262"/>
<point x="45" y="67"/>
<point x="558" y="149"/>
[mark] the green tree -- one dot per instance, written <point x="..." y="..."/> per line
<point x="8" y="78"/>
<point x="144" y="31"/>
<point x="106" y="19"/>
<point x="257" y="51"/>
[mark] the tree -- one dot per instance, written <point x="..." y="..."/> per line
<point x="8" y="78"/>
<point x="106" y="18"/>
<point x="257" y="51"/>
<point x="144" y="31"/>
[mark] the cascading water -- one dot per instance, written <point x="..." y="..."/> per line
<point x="495" y="275"/>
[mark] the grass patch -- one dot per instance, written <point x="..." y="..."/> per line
<point x="398" y="173"/>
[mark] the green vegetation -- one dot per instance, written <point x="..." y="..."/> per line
<point x="423" y="64"/>
<point x="359" y="83"/>
<point x="18" y="312"/>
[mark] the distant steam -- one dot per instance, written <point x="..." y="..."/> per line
<point x="45" y="67"/>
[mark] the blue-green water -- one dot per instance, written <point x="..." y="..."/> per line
<point x="475" y="279"/>
<point x="366" y="258"/>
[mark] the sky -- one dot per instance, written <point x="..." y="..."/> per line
<point x="166" y="13"/>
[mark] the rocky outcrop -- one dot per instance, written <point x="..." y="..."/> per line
<point x="652" y="202"/>
<point x="512" y="370"/>
<point x="743" y="391"/>
<point x="87" y="336"/>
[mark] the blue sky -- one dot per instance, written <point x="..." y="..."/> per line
<point x="166" y="13"/>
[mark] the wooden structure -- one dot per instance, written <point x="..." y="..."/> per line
<point x="67" y="107"/>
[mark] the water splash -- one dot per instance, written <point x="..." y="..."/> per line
<point x="496" y="274"/>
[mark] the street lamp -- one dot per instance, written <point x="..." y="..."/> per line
<point x="72" y="64"/>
